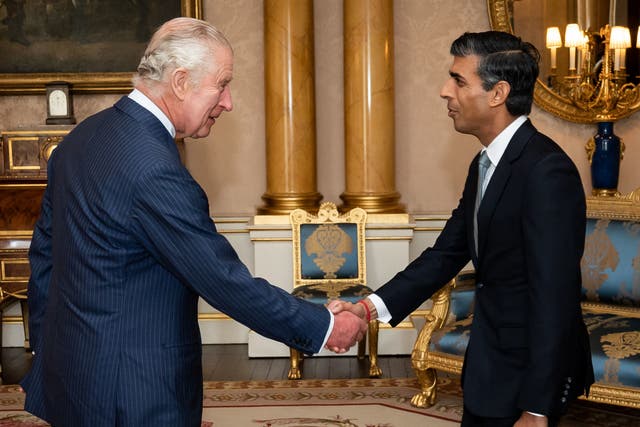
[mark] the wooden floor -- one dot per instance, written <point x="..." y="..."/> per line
<point x="229" y="362"/>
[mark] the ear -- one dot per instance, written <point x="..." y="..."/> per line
<point x="179" y="81"/>
<point x="499" y="93"/>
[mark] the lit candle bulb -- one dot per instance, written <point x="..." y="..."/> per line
<point x="553" y="42"/>
<point x="572" y="39"/>
<point x="619" y="41"/>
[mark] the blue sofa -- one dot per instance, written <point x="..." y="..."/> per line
<point x="610" y="306"/>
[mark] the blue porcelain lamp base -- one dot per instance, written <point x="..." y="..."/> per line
<point x="605" y="151"/>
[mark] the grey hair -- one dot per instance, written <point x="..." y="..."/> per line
<point x="181" y="42"/>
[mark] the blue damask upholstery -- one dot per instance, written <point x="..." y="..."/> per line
<point x="329" y="254"/>
<point x="611" y="262"/>
<point x="329" y="251"/>
<point x="615" y="348"/>
<point x="453" y="337"/>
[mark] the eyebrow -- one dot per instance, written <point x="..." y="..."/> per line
<point x="456" y="76"/>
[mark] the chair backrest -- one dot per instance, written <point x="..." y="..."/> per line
<point x="328" y="246"/>
<point x="611" y="260"/>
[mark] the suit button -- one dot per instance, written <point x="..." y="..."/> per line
<point x="563" y="400"/>
<point x="566" y="392"/>
<point x="480" y="285"/>
<point x="567" y="386"/>
<point x="569" y="380"/>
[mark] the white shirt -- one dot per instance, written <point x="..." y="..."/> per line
<point x="147" y="104"/>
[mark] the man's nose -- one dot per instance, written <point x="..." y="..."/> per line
<point x="225" y="100"/>
<point x="445" y="92"/>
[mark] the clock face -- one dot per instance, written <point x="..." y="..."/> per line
<point x="57" y="103"/>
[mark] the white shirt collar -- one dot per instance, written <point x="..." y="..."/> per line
<point x="498" y="146"/>
<point x="147" y="104"/>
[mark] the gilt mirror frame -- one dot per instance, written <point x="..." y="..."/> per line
<point x="32" y="83"/>
<point x="501" y="19"/>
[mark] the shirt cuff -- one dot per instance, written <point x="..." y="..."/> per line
<point x="534" y="414"/>
<point x="383" y="313"/>
<point x="328" y="334"/>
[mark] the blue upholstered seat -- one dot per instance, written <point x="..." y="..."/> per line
<point x="615" y="348"/>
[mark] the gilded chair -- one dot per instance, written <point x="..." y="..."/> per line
<point x="329" y="263"/>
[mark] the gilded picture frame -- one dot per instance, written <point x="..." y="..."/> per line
<point x="114" y="48"/>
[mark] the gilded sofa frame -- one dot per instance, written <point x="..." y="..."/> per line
<point x="426" y="363"/>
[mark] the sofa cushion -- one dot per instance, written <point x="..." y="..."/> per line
<point x="611" y="262"/>
<point x="452" y="338"/>
<point x="615" y="348"/>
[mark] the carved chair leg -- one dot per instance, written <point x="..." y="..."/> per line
<point x="374" y="369"/>
<point x="295" y="360"/>
<point x="428" y="379"/>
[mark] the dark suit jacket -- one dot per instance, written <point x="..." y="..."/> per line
<point x="122" y="250"/>
<point x="528" y="347"/>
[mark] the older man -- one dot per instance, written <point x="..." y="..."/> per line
<point x="125" y="246"/>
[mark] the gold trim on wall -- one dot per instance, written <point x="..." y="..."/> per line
<point x="10" y="142"/>
<point x="3" y="269"/>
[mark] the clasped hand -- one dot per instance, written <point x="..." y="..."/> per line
<point x="349" y="326"/>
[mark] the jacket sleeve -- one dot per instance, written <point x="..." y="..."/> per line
<point x="431" y="270"/>
<point x="170" y="217"/>
<point x="40" y="262"/>
<point x="554" y="227"/>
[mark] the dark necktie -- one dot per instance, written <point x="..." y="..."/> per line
<point x="483" y="167"/>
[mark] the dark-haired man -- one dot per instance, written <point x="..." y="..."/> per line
<point x="523" y="227"/>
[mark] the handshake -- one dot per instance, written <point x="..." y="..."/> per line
<point x="350" y="323"/>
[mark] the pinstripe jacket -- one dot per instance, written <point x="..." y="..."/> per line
<point x="122" y="250"/>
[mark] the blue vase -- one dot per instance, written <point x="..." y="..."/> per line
<point x="605" y="163"/>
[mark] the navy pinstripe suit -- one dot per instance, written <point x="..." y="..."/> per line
<point x="122" y="249"/>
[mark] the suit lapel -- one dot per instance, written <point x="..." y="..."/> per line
<point x="499" y="180"/>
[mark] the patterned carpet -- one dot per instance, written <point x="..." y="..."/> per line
<point x="342" y="403"/>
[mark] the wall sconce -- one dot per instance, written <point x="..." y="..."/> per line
<point x="598" y="85"/>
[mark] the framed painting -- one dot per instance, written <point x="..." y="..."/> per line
<point x="93" y="45"/>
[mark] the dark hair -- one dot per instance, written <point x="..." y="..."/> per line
<point x="503" y="56"/>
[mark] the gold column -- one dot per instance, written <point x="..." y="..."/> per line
<point x="290" y="107"/>
<point x="369" y="107"/>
